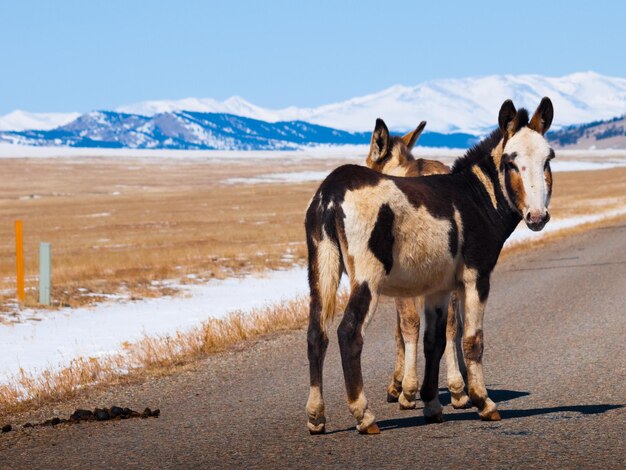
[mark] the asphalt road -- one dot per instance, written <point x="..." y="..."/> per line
<point x="554" y="362"/>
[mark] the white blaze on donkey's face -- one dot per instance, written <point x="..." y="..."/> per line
<point x="527" y="157"/>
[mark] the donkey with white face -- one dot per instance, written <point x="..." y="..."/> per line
<point x="406" y="237"/>
<point x="391" y="155"/>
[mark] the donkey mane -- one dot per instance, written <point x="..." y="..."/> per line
<point x="483" y="148"/>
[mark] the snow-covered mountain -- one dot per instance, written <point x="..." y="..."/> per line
<point x="182" y="130"/>
<point x="190" y="130"/>
<point x="21" y="120"/>
<point x="468" y="105"/>
<point x="234" y="105"/>
<point x="458" y="111"/>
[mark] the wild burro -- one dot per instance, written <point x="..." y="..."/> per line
<point x="408" y="237"/>
<point x="391" y="155"/>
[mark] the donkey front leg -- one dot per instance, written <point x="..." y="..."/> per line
<point x="474" y="299"/>
<point x="359" y="311"/>
<point x="436" y="313"/>
<point x="454" y="355"/>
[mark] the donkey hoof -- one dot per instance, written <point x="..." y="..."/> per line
<point x="492" y="415"/>
<point x="461" y="403"/>
<point x="489" y="411"/>
<point x="316" y="428"/>
<point x="434" y="419"/>
<point x="371" y="429"/>
<point x="407" y="403"/>
<point x="317" y="425"/>
<point x="433" y="411"/>
<point x="392" y="394"/>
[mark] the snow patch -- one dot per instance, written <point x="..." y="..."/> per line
<point x="99" y="214"/>
<point x="52" y="339"/>
<point x="293" y="177"/>
<point x="21" y="120"/>
<point x="581" y="165"/>
<point x="356" y="152"/>
<point x="523" y="234"/>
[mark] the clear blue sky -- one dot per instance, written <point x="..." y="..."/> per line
<point x="66" y="55"/>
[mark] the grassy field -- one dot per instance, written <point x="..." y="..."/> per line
<point x="117" y="226"/>
<point x="125" y="225"/>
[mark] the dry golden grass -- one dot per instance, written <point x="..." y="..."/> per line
<point x="169" y="219"/>
<point x="588" y="192"/>
<point x="153" y="355"/>
<point x="28" y="391"/>
<point x="123" y="225"/>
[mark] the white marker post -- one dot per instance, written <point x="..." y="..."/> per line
<point x="44" y="273"/>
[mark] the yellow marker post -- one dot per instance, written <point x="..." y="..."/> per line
<point x="19" y="260"/>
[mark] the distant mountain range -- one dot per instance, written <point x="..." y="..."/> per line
<point x="458" y="112"/>
<point x="609" y="134"/>
<point x="188" y="130"/>
<point x="466" y="105"/>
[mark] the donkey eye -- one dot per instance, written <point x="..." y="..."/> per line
<point x="508" y="161"/>
<point x="511" y="166"/>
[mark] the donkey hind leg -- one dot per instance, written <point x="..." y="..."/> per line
<point x="361" y="306"/>
<point x="436" y="313"/>
<point x="473" y="345"/>
<point x="454" y="356"/>
<point x="407" y="332"/>
<point x="395" y="387"/>
<point x="317" y="340"/>
<point x="324" y="275"/>
<point x="409" y="327"/>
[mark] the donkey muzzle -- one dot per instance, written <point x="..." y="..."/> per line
<point x="536" y="220"/>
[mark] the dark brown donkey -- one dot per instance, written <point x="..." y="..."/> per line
<point x="396" y="159"/>
<point x="406" y="237"/>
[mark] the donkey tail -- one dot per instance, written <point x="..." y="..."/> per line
<point x="329" y="268"/>
<point x="325" y="267"/>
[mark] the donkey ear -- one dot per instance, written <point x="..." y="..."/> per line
<point x="507" y="114"/>
<point x="379" y="147"/>
<point x="411" y="138"/>
<point x="542" y="119"/>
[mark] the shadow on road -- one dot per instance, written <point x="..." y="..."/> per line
<point x="496" y="395"/>
<point x="414" y="421"/>
<point x="582" y="409"/>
